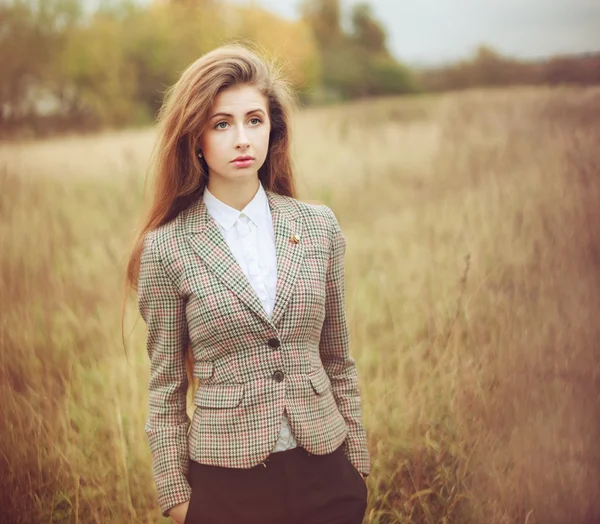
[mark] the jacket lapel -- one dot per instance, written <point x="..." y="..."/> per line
<point x="286" y="223"/>
<point x="208" y="243"/>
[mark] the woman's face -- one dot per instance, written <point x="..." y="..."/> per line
<point x="238" y="126"/>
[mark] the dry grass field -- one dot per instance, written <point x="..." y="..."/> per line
<point x="473" y="295"/>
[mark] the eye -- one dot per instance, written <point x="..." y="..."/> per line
<point x="255" y="121"/>
<point x="221" y="125"/>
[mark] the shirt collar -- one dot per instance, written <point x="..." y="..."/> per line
<point x="256" y="210"/>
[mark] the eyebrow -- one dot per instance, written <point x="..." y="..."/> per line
<point x="230" y="115"/>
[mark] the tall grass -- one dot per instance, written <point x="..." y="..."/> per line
<point x="473" y="293"/>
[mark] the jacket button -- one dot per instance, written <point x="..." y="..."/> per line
<point x="274" y="343"/>
<point x="278" y="376"/>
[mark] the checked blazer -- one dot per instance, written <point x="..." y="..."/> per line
<point x="250" y="366"/>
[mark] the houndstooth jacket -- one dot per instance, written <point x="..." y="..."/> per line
<point x="250" y="367"/>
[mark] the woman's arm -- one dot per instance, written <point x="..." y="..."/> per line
<point x="335" y="353"/>
<point x="163" y="310"/>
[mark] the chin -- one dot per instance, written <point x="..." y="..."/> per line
<point x="243" y="174"/>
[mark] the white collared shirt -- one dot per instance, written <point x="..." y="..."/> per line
<point x="250" y="236"/>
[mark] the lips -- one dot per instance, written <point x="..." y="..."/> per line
<point x="243" y="161"/>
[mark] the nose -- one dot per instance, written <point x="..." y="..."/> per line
<point x="241" y="141"/>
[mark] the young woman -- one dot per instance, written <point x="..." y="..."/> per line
<point x="245" y="280"/>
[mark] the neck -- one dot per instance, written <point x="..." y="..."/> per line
<point x="235" y="194"/>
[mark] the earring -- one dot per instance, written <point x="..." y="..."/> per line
<point x="199" y="154"/>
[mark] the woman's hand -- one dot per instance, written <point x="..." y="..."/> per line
<point x="179" y="512"/>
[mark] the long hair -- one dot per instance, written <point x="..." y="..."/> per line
<point x="179" y="176"/>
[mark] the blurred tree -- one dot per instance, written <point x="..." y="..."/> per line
<point x="160" y="41"/>
<point x="487" y="67"/>
<point x="368" y="33"/>
<point x="324" y="18"/>
<point x="150" y="48"/>
<point x="292" y="43"/>
<point x="390" y="77"/>
<point x="65" y="65"/>
<point x="584" y="70"/>
<point x="358" y="63"/>
<point x="31" y="33"/>
<point x="380" y="73"/>
<point x="96" y="84"/>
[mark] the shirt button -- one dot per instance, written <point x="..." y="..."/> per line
<point x="274" y="343"/>
<point x="278" y="376"/>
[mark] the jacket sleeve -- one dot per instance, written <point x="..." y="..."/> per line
<point x="163" y="310"/>
<point x="334" y="349"/>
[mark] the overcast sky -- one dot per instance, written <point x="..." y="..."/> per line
<point x="430" y="31"/>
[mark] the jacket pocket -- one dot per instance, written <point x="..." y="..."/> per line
<point x="319" y="380"/>
<point x="219" y="395"/>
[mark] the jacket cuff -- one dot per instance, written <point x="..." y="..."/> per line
<point x="358" y="455"/>
<point x="174" y="495"/>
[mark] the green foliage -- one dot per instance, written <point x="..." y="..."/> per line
<point x="368" y="33"/>
<point x="389" y="77"/>
<point x="357" y="63"/>
<point x="31" y="33"/>
<point x="324" y="19"/>
<point x="65" y="68"/>
<point x="97" y="83"/>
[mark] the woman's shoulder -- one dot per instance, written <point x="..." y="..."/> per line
<point x="319" y="219"/>
<point x="310" y="209"/>
<point x="164" y="239"/>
